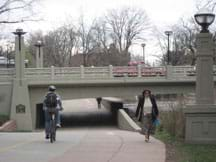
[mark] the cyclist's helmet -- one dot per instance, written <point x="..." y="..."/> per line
<point x="52" y="88"/>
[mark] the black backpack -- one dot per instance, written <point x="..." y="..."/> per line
<point x="51" y="100"/>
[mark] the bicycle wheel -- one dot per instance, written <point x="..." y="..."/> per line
<point x="52" y="128"/>
<point x="51" y="131"/>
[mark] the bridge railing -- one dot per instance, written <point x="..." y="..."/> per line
<point x="38" y="73"/>
<point x="178" y="72"/>
<point x="167" y="72"/>
<point x="7" y="73"/>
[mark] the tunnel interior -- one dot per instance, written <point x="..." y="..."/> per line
<point x="40" y="119"/>
<point x="80" y="116"/>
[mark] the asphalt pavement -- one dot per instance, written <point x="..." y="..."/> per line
<point x="104" y="144"/>
<point x="81" y="144"/>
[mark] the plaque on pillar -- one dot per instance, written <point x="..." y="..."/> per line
<point x="20" y="109"/>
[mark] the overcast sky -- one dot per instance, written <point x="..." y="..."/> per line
<point x="166" y="12"/>
<point x="162" y="13"/>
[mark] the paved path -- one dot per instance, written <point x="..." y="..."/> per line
<point x="81" y="145"/>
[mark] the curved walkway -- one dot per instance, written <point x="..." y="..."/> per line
<point x="81" y="145"/>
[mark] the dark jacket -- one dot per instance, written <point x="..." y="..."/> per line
<point x="141" y="102"/>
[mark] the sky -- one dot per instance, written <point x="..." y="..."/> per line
<point x="162" y="14"/>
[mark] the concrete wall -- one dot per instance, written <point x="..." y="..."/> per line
<point x="67" y="92"/>
<point x="115" y="105"/>
<point x="5" y="97"/>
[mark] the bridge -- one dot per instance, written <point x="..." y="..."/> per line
<point x="89" y="82"/>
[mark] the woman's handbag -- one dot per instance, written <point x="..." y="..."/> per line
<point x="156" y="122"/>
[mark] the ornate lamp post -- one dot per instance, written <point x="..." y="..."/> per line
<point x="204" y="20"/>
<point x="168" y="33"/>
<point x="201" y="115"/>
<point x="20" y="55"/>
<point x="143" y="47"/>
<point x="39" y="55"/>
<point x="20" y="102"/>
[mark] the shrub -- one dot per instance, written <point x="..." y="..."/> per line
<point x="173" y="121"/>
<point x="3" y="119"/>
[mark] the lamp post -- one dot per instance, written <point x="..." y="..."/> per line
<point x="143" y="47"/>
<point x="39" y="57"/>
<point x="168" y="33"/>
<point x="201" y="115"/>
<point x="20" y="97"/>
<point x="19" y="33"/>
<point x="19" y="53"/>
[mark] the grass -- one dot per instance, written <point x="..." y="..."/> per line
<point x="3" y="119"/>
<point x="178" y="151"/>
<point x="171" y="132"/>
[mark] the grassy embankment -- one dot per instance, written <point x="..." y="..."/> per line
<point x="171" y="132"/>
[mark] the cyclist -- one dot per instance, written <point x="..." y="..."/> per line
<point x="52" y="98"/>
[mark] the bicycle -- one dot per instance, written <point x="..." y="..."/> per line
<point x="52" y="129"/>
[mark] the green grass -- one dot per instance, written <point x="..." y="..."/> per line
<point x="3" y="119"/>
<point x="197" y="153"/>
<point x="187" y="152"/>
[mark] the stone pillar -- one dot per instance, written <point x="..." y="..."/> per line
<point x="52" y="72"/>
<point x="169" y="71"/>
<point x="139" y="68"/>
<point x="37" y="58"/>
<point x="20" y="106"/>
<point x="82" y="72"/>
<point x="201" y="116"/>
<point x="110" y="71"/>
<point x="204" y="69"/>
<point x="41" y="57"/>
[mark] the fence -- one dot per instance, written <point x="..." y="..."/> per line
<point x="166" y="72"/>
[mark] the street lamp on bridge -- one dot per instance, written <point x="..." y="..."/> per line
<point x="143" y="47"/>
<point x="168" y="33"/>
<point x="39" y="55"/>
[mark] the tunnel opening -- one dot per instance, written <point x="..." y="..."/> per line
<point x="40" y="119"/>
<point x="86" y="112"/>
<point x="80" y="113"/>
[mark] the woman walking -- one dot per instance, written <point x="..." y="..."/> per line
<point x="147" y="112"/>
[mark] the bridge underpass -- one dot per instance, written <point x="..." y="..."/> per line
<point x="80" y="113"/>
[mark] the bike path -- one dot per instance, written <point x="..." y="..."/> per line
<point x="81" y="145"/>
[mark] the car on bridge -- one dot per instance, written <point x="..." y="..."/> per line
<point x="132" y="70"/>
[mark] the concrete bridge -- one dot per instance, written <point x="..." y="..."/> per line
<point x="87" y="82"/>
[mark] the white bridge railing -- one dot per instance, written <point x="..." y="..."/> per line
<point x="56" y="73"/>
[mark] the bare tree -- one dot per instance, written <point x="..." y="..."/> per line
<point x="85" y="36"/>
<point x="206" y="4"/>
<point x="16" y="11"/>
<point x="184" y="44"/>
<point x="126" y="26"/>
<point x="59" y="46"/>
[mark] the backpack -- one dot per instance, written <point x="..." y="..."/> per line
<point x="51" y="100"/>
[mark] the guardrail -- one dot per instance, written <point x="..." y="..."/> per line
<point x="7" y="74"/>
<point x="168" y="72"/>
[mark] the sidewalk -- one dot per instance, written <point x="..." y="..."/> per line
<point x="81" y="145"/>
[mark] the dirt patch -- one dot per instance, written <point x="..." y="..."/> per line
<point x="171" y="153"/>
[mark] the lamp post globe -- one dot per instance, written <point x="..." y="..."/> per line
<point x="39" y="44"/>
<point x="204" y="19"/>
